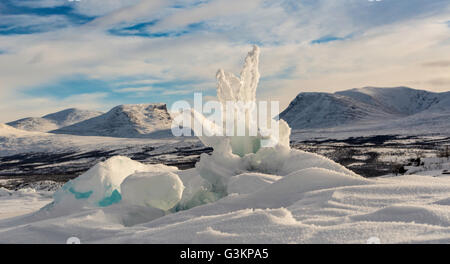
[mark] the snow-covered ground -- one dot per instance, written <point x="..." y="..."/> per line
<point x="307" y="206"/>
<point x="376" y="155"/>
<point x="431" y="166"/>
<point x="37" y="153"/>
<point x="15" y="141"/>
<point x="310" y="203"/>
<point x="23" y="201"/>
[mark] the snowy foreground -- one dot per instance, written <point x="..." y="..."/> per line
<point x="321" y="204"/>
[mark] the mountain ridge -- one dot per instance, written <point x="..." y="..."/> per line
<point x="128" y="120"/>
<point x="53" y="121"/>
<point x="363" y="105"/>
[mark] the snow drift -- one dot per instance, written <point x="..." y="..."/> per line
<point x="107" y="182"/>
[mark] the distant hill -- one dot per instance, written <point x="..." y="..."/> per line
<point x="126" y="121"/>
<point x="402" y="105"/>
<point x="54" y="121"/>
<point x="8" y="131"/>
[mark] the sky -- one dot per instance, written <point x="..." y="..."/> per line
<point x="95" y="54"/>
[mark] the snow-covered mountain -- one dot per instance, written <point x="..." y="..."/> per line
<point x="126" y="121"/>
<point x="368" y="105"/>
<point x="71" y="116"/>
<point x="8" y="131"/>
<point x="54" y="121"/>
<point x="400" y="101"/>
<point x="34" y="124"/>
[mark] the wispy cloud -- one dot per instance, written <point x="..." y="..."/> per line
<point x="29" y="24"/>
<point x="135" y="89"/>
<point x="26" y="17"/>
<point x="327" y="39"/>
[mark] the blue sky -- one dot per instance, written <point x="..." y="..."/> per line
<point x="95" y="54"/>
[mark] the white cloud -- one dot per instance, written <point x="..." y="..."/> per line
<point x="135" y="89"/>
<point x="210" y="10"/>
<point x="99" y="7"/>
<point x="144" y="10"/>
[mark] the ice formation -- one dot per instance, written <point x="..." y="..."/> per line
<point x="162" y="190"/>
<point x="233" y="89"/>
<point x="237" y="96"/>
<point x="102" y="185"/>
<point x="234" y="155"/>
<point x="239" y="164"/>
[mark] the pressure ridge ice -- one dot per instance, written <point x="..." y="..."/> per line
<point x="238" y="164"/>
<point x="158" y="186"/>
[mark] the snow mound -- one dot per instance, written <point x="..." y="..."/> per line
<point x="409" y="213"/>
<point x="162" y="190"/>
<point x="4" y="192"/>
<point x="101" y="185"/>
<point x="246" y="183"/>
<point x="220" y="167"/>
<point x="126" y="121"/>
<point x="313" y="179"/>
